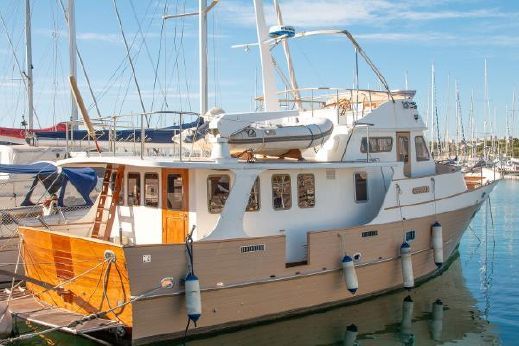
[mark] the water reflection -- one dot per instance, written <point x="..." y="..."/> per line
<point x="441" y="310"/>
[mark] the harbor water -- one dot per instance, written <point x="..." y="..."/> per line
<point x="474" y="302"/>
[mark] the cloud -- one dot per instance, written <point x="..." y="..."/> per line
<point x="94" y="36"/>
<point x="321" y="13"/>
<point x="441" y="38"/>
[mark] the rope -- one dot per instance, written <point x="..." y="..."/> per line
<point x="398" y="191"/>
<point x="130" y="60"/>
<point x="434" y="196"/>
<point x="66" y="282"/>
<point x="12" y="281"/>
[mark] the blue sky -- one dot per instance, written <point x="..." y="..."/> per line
<point x="400" y="36"/>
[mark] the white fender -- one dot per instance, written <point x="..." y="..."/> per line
<point x="193" y="298"/>
<point x="350" y="275"/>
<point x="407" y="265"/>
<point x="437" y="320"/>
<point x="406" y="324"/>
<point x="437" y="243"/>
<point x="350" y="337"/>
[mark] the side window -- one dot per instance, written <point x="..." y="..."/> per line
<point x="175" y="192"/>
<point x="151" y="189"/>
<point x="376" y="144"/>
<point x="254" y="198"/>
<point x="361" y="187"/>
<point x="306" y="190"/>
<point x="134" y="188"/>
<point x="403" y="148"/>
<point x="422" y="153"/>
<point x="218" y="187"/>
<point x="281" y="192"/>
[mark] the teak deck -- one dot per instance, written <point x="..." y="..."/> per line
<point x="26" y="307"/>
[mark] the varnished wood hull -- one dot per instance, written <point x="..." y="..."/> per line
<point x="237" y="287"/>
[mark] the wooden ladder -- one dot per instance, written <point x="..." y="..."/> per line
<point x="105" y="216"/>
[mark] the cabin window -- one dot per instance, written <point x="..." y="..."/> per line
<point x="218" y="187"/>
<point x="377" y="144"/>
<point x="175" y="192"/>
<point x="305" y="190"/>
<point x="151" y="189"/>
<point x="134" y="189"/>
<point x="281" y="192"/>
<point x="361" y="187"/>
<point x="422" y="153"/>
<point x="254" y="197"/>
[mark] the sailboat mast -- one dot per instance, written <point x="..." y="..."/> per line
<point x="513" y="124"/>
<point x="487" y="113"/>
<point x="28" y="61"/>
<point x="457" y="112"/>
<point x="433" y="107"/>
<point x="72" y="58"/>
<point x="472" y="123"/>
<point x="202" y="51"/>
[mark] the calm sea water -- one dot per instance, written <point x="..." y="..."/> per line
<point x="479" y="294"/>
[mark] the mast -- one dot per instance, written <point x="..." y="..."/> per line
<point x="290" y="65"/>
<point x="28" y="61"/>
<point x="513" y="124"/>
<point x="460" y="131"/>
<point x="507" y="136"/>
<point x="472" y="151"/>
<point x="432" y="107"/>
<point x="202" y="51"/>
<point x="72" y="59"/>
<point x="487" y="111"/>
<point x="434" y="114"/>
<point x="267" y="67"/>
<point x="457" y="112"/>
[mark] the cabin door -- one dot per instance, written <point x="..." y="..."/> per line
<point x="175" y="202"/>
<point x="402" y="142"/>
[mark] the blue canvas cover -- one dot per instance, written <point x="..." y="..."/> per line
<point x="83" y="179"/>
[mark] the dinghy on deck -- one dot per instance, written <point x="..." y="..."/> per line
<point x="264" y="137"/>
<point x="279" y="139"/>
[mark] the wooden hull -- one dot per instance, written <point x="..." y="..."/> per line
<point x="237" y="287"/>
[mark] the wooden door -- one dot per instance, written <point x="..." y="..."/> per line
<point x="175" y="202"/>
<point x="402" y="143"/>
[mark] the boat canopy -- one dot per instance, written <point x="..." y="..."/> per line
<point x="83" y="179"/>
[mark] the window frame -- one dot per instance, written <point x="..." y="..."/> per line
<point x="209" y="191"/>
<point x="425" y="146"/>
<point x="158" y="190"/>
<point x="371" y="151"/>
<point x="258" y="196"/>
<point x="272" y="191"/>
<point x="166" y="191"/>
<point x="127" y="190"/>
<point x="355" y="187"/>
<point x="298" y="190"/>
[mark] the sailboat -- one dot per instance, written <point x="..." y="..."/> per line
<point x="194" y="246"/>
